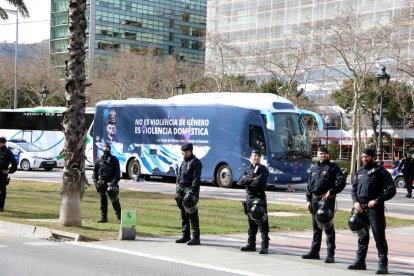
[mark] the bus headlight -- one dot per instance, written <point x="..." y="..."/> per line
<point x="274" y="171"/>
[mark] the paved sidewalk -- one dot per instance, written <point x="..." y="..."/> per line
<point x="221" y="253"/>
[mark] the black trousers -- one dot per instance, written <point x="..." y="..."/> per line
<point x="3" y="189"/>
<point x="317" y="232"/>
<point x="104" y="203"/>
<point x="375" y="220"/>
<point x="253" y="227"/>
<point x="409" y="183"/>
<point x="187" y="219"/>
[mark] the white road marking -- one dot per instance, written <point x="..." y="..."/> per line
<point x="167" y="259"/>
<point x="3" y="246"/>
<point x="42" y="243"/>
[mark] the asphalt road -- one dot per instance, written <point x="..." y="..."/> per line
<point x="398" y="206"/>
<point x="29" y="256"/>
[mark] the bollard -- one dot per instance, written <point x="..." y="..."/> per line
<point x="127" y="229"/>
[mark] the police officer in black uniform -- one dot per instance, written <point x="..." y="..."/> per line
<point x="325" y="181"/>
<point x="188" y="184"/>
<point x="6" y="158"/>
<point x="406" y="166"/>
<point x="371" y="188"/>
<point x="106" y="174"/>
<point x="255" y="179"/>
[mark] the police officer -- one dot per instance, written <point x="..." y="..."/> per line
<point x="372" y="186"/>
<point x="325" y="181"/>
<point x="188" y="185"/>
<point x="406" y="166"/>
<point x="106" y="175"/>
<point x="6" y="158"/>
<point x="255" y="179"/>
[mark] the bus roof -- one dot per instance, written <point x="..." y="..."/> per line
<point x="54" y="109"/>
<point x="256" y="101"/>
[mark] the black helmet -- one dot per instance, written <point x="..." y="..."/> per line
<point x="357" y="223"/>
<point x="113" y="193"/>
<point x="324" y="216"/>
<point x="257" y="211"/>
<point x="190" y="203"/>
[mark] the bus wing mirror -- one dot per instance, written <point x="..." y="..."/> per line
<point x="317" y="117"/>
<point x="270" y="121"/>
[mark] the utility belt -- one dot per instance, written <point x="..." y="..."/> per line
<point x="363" y="200"/>
<point x="258" y="195"/>
<point x="316" y="197"/>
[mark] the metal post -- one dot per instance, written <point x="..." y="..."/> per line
<point x="340" y="139"/>
<point x="379" y="148"/>
<point x="16" y="47"/>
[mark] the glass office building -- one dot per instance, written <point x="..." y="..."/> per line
<point x="171" y="27"/>
<point x="248" y="24"/>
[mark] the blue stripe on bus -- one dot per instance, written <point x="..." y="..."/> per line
<point x="163" y="159"/>
<point x="38" y="138"/>
<point x="17" y="133"/>
<point x="55" y="144"/>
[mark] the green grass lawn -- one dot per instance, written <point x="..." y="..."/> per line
<point x="157" y="214"/>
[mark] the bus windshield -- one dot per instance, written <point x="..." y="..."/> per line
<point x="290" y="139"/>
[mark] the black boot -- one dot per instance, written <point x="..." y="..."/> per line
<point x="104" y="218"/>
<point x="118" y="218"/>
<point x="264" y="250"/>
<point x="311" y="256"/>
<point x="194" y="241"/>
<point x="249" y="247"/>
<point x="382" y="270"/>
<point x="183" y="239"/>
<point x="358" y="265"/>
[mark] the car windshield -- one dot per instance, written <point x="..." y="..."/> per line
<point x="290" y="139"/>
<point x="30" y="147"/>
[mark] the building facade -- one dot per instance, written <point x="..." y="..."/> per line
<point x="249" y="24"/>
<point x="170" y="27"/>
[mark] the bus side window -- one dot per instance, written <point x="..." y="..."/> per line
<point x="256" y="139"/>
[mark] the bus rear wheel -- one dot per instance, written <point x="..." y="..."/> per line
<point x="134" y="169"/>
<point x="224" y="176"/>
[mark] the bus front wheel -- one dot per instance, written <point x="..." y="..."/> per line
<point x="224" y="176"/>
<point x="134" y="169"/>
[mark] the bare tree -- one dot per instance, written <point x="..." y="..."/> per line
<point x="74" y="178"/>
<point x="290" y="61"/>
<point x="343" y="41"/>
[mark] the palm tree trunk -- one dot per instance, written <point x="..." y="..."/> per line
<point x="74" y="179"/>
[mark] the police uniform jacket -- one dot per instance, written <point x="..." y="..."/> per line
<point x="406" y="166"/>
<point x="324" y="177"/>
<point x="7" y="158"/>
<point x="255" y="179"/>
<point x="372" y="182"/>
<point x="107" y="169"/>
<point x="189" y="176"/>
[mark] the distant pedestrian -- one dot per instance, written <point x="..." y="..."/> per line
<point x="326" y="180"/>
<point x="106" y="175"/>
<point x="255" y="206"/>
<point x="372" y="186"/>
<point x="188" y="192"/>
<point x="8" y="165"/>
<point x="406" y="166"/>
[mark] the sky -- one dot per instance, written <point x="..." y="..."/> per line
<point x="36" y="28"/>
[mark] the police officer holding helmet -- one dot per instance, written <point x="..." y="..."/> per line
<point x="371" y="188"/>
<point x="255" y="207"/>
<point x="106" y="175"/>
<point x="325" y="181"/>
<point x="188" y="191"/>
<point x="6" y="159"/>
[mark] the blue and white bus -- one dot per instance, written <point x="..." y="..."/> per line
<point x="42" y="126"/>
<point x="146" y="135"/>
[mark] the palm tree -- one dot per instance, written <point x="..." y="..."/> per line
<point x="20" y="6"/>
<point x="74" y="179"/>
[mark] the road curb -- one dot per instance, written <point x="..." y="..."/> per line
<point x="40" y="232"/>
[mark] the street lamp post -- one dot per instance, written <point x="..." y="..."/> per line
<point x="180" y="87"/>
<point x="44" y="92"/>
<point x="327" y="125"/>
<point x="382" y="81"/>
<point x="16" y="47"/>
<point x="340" y="138"/>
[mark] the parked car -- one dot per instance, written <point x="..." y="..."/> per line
<point x="398" y="178"/>
<point x="30" y="156"/>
